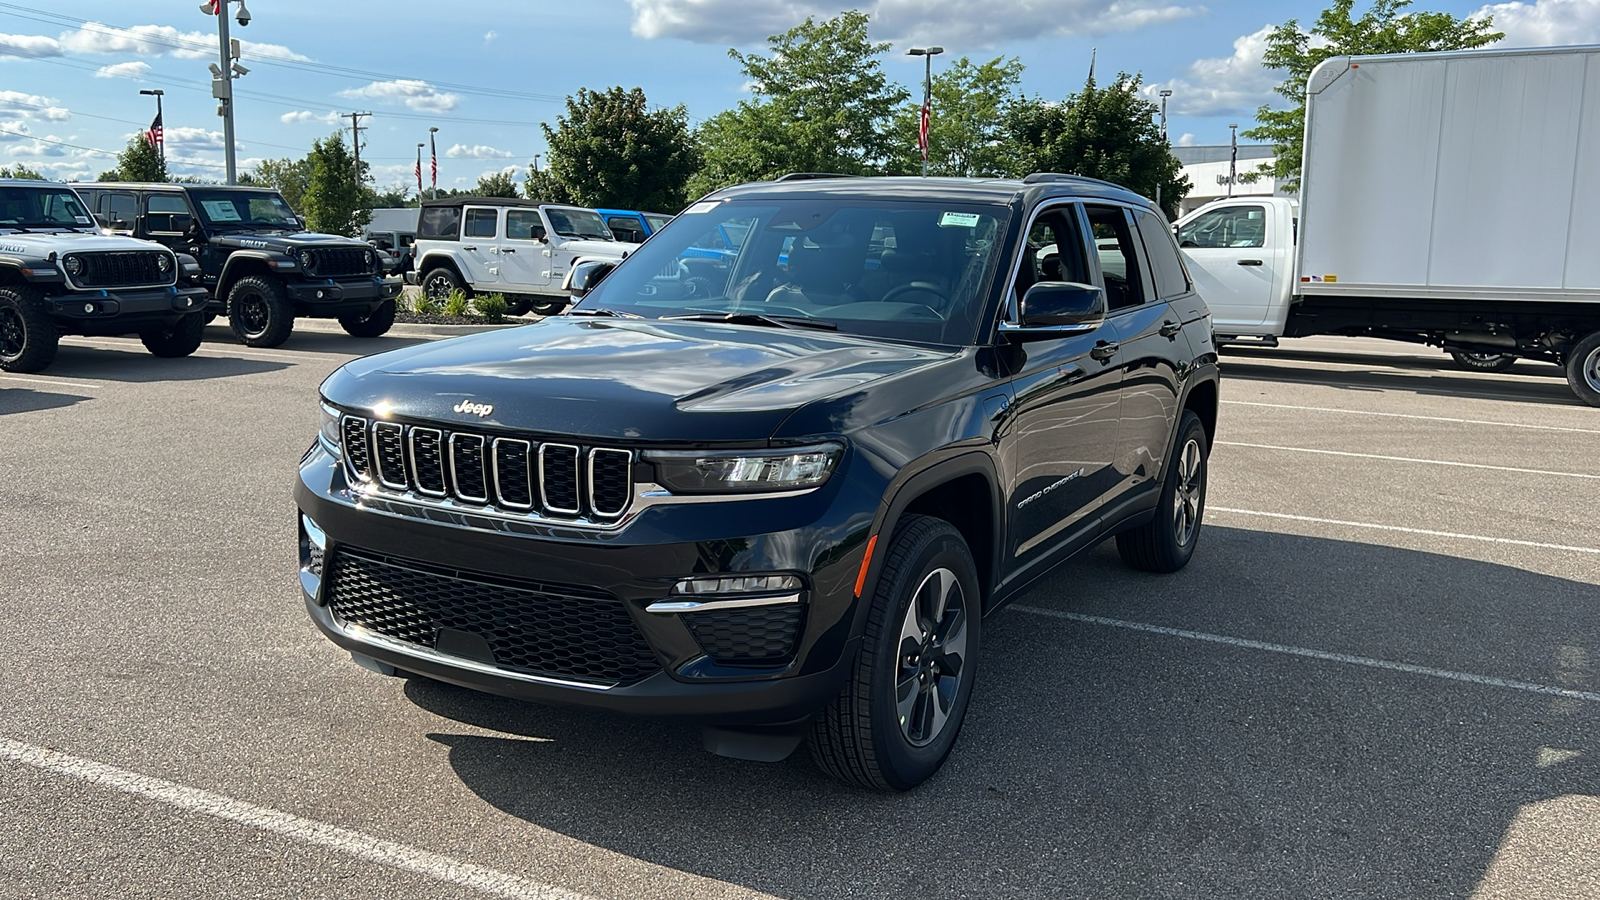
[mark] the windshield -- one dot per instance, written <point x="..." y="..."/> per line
<point x="42" y="207"/>
<point x="246" y="209"/>
<point x="909" y="270"/>
<point x="578" y="223"/>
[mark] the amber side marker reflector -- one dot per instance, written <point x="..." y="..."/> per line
<point x="861" y="577"/>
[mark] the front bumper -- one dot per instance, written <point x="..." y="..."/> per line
<point x="149" y="305"/>
<point x="328" y="297"/>
<point x="811" y="535"/>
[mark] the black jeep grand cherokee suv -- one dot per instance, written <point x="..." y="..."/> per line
<point x="776" y="496"/>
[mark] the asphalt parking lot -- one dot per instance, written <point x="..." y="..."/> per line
<point x="1378" y="677"/>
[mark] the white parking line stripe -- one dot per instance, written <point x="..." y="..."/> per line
<point x="1390" y="415"/>
<point x="1489" y="681"/>
<point x="1409" y="459"/>
<point x="51" y="382"/>
<point x="352" y="843"/>
<point x="1402" y="528"/>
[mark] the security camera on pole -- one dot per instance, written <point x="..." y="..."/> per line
<point x="222" y="76"/>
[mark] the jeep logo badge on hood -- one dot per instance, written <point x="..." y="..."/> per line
<point x="478" y="409"/>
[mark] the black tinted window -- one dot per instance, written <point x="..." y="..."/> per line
<point x="1118" y="249"/>
<point x="439" y="223"/>
<point x="1171" y="279"/>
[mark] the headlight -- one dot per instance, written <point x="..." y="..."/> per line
<point x="73" y="265"/>
<point x="307" y="258"/>
<point x="328" y="429"/>
<point x="745" y="471"/>
<point x="369" y="259"/>
<point x="164" y="263"/>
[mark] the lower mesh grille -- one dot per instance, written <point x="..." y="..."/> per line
<point x="562" y="631"/>
<point x="758" y="634"/>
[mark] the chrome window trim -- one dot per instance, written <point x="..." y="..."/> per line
<point x="411" y="452"/>
<point x="689" y="606"/>
<point x="349" y="464"/>
<point x="577" y="479"/>
<point x="594" y="506"/>
<point x="454" y="481"/>
<point x="494" y="464"/>
<point x="377" y="458"/>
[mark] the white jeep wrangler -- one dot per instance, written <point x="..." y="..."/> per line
<point x="522" y="249"/>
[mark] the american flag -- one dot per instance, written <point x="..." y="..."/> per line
<point x="433" y="157"/>
<point x="922" y="132"/>
<point x="211" y="7"/>
<point x="419" y="171"/>
<point x="154" y="134"/>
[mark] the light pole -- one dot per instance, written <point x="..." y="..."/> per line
<point x="1165" y="93"/>
<point x="222" y="76"/>
<point x="433" y="160"/>
<point x="927" y="54"/>
<point x="159" y="138"/>
<point x="1233" y="159"/>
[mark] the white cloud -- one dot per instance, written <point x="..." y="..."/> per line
<point x="162" y="40"/>
<point x="1545" y="23"/>
<point x="1236" y="84"/>
<point x="477" y="151"/>
<point x="306" y="115"/>
<point x="189" y="139"/>
<point x="1186" y="140"/>
<point x="134" y="69"/>
<point x="489" y="36"/>
<point x="28" y="46"/>
<point x="31" y="106"/>
<point x="980" y="23"/>
<point x="418" y="95"/>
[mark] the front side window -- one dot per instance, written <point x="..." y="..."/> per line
<point x="524" y="225"/>
<point x="481" y="223"/>
<point x="243" y="209"/>
<point x="823" y="263"/>
<point x="166" y="214"/>
<point x="1054" y="251"/>
<point x="1230" y="226"/>
<point x="29" y="207"/>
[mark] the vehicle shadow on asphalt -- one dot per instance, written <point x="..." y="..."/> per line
<point x="135" y="366"/>
<point x="220" y="339"/>
<point x="1426" y="381"/>
<point x="1100" y="761"/>
<point x="21" y="400"/>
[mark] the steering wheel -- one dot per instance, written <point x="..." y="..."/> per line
<point x="920" y="287"/>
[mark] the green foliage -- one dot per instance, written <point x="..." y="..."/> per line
<point x="612" y="150"/>
<point x="22" y="172"/>
<point x="139" y="161"/>
<point x="491" y="306"/>
<point x="966" y="131"/>
<point x="425" y="306"/>
<point x="337" y="200"/>
<point x="289" y="177"/>
<point x="497" y="184"/>
<point x="456" y="304"/>
<point x="821" y="103"/>
<point x="394" y="196"/>
<point x="1108" y="133"/>
<point x="1382" y="29"/>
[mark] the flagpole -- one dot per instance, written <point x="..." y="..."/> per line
<point x="161" y="142"/>
<point x="419" y="171"/>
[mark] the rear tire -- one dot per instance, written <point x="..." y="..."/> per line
<point x="371" y="325"/>
<point x="1165" y="543"/>
<point x="259" y="311"/>
<point x="893" y="724"/>
<point x="1583" y="369"/>
<point x="548" y="306"/>
<point x="1483" y="362"/>
<point x="517" y="305"/>
<point x="180" y="339"/>
<point x="437" y="284"/>
<point x="28" y="336"/>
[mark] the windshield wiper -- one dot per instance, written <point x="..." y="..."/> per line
<point x="736" y="318"/>
<point x="602" y="311"/>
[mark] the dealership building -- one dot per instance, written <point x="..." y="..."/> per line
<point x="1207" y="168"/>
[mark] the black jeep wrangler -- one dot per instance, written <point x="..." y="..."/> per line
<point x="779" y="502"/>
<point x="262" y="268"/>
<point x="60" y="275"/>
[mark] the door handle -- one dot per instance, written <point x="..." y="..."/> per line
<point x="1169" y="328"/>
<point x="508" y="249"/>
<point x="1250" y="262"/>
<point x="1104" y="350"/>
<point x="469" y="248"/>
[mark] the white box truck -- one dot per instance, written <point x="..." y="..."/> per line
<point x="1450" y="199"/>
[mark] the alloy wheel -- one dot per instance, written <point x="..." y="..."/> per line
<point x="932" y="657"/>
<point x="254" y="314"/>
<point x="1189" y="495"/>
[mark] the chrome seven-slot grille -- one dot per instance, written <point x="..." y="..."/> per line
<point x="547" y="479"/>
<point x="336" y="262"/>
<point x="123" y="269"/>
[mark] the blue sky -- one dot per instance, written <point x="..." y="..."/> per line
<point x="487" y="72"/>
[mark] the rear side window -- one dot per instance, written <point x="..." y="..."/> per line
<point x="481" y="223"/>
<point x="439" y="223"/>
<point x="1171" y="279"/>
<point x="626" y="228"/>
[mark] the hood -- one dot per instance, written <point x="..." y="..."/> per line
<point x="42" y="244"/>
<point x="618" y="379"/>
<point x="600" y="249"/>
<point x="283" y="243"/>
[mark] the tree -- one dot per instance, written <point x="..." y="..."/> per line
<point x="820" y="103"/>
<point x="290" y="177"/>
<point x="966" y="132"/>
<point x="337" y="200"/>
<point x="1381" y="30"/>
<point x="394" y="196"/>
<point x="139" y="161"/>
<point x="541" y="185"/>
<point x="497" y="184"/>
<point x="612" y="150"/>
<point x="20" y="171"/>
<point x="1108" y="133"/>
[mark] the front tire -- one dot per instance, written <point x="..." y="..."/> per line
<point x="371" y="325"/>
<point x="893" y="724"/>
<point x="1165" y="543"/>
<point x="1483" y="362"/>
<point x="180" y="339"/>
<point x="1583" y="369"/>
<point x="259" y="311"/>
<point x="28" y="336"/>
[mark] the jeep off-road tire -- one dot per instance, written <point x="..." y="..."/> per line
<point x="371" y="325"/>
<point x="893" y="724"/>
<point x="181" y="338"/>
<point x="1583" y="369"/>
<point x="1483" y="362"/>
<point x="28" y="336"/>
<point x="518" y="305"/>
<point x="438" y="283"/>
<point x="549" y="306"/>
<point x="259" y="311"/>
<point x="1166" y="542"/>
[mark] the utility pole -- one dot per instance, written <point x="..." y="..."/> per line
<point x="1233" y="160"/>
<point x="355" y="137"/>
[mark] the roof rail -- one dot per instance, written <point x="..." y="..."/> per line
<point x="1049" y="178"/>
<point x="812" y="176"/>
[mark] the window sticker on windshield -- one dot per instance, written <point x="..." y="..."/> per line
<point x="704" y="206"/>
<point x="220" y="210"/>
<point x="81" y="220"/>
<point x="959" y="220"/>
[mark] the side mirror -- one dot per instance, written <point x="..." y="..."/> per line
<point x="301" y="221"/>
<point x="102" y="220"/>
<point x="585" y="275"/>
<point x="1062" y="306"/>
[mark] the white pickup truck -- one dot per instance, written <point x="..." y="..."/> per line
<point x="1446" y="199"/>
